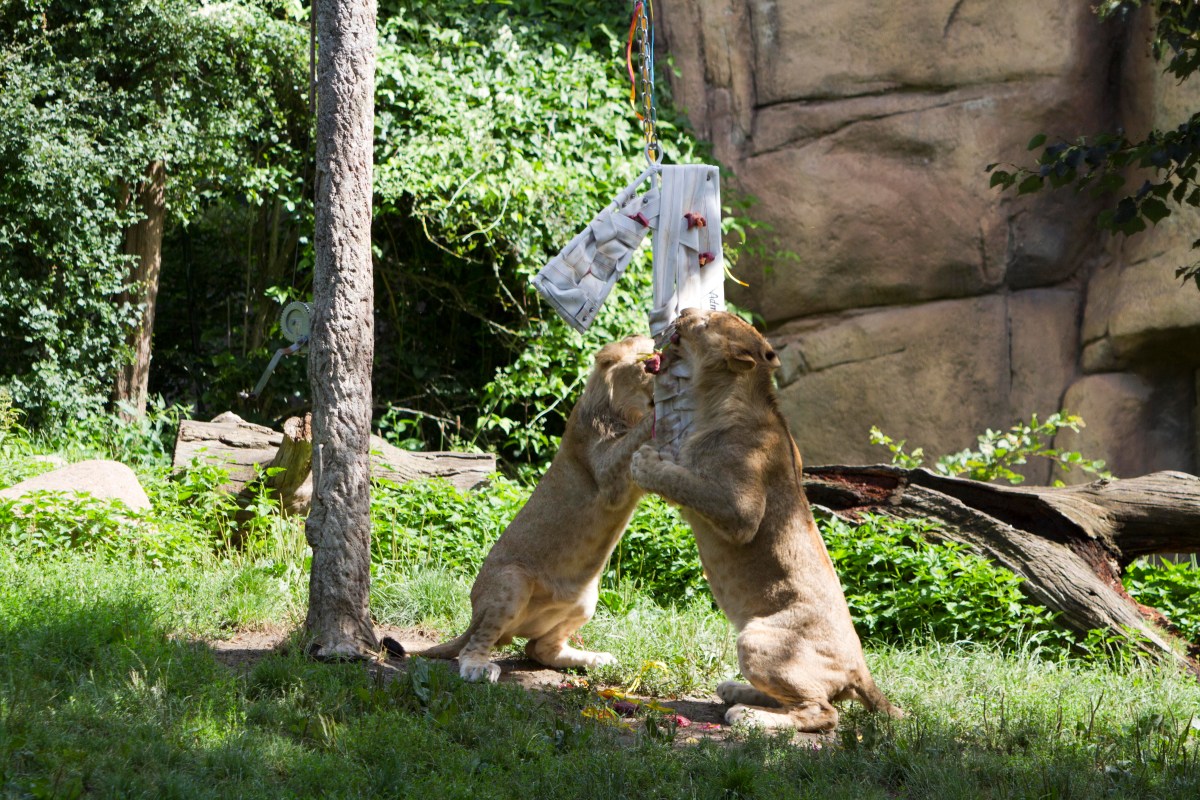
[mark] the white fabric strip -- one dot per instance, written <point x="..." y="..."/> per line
<point x="578" y="280"/>
<point x="689" y="272"/>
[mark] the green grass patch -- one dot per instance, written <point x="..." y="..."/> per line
<point x="107" y="687"/>
<point x="104" y="691"/>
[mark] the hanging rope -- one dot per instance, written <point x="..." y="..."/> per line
<point x="641" y="83"/>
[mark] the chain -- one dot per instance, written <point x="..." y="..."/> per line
<point x="643" y="13"/>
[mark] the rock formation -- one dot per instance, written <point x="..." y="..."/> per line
<point x="914" y="297"/>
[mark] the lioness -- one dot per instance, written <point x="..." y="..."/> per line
<point x="737" y="481"/>
<point x="540" y="581"/>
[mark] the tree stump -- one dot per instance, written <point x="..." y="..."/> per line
<point x="289" y="475"/>
<point x="1069" y="544"/>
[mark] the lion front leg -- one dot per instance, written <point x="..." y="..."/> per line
<point x="611" y="462"/>
<point x="734" y="505"/>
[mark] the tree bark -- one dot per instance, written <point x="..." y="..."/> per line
<point x="342" y="343"/>
<point x="143" y="241"/>
<point x="1069" y="544"/>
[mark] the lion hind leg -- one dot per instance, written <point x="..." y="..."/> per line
<point x="814" y="716"/>
<point x="733" y="692"/>
<point x="553" y="650"/>
<point x="496" y="617"/>
<point x="869" y="694"/>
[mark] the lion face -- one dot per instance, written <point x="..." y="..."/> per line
<point x="630" y="385"/>
<point x="717" y="341"/>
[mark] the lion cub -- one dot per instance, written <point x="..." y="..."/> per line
<point x="737" y="481"/>
<point x="541" y="579"/>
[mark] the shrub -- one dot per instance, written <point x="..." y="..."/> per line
<point x="901" y="586"/>
<point x="1000" y="451"/>
<point x="1172" y="588"/>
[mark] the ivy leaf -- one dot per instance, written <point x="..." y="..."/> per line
<point x="1031" y="184"/>
<point x="1000" y="178"/>
<point x="1155" y="210"/>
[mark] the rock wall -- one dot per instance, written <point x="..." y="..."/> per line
<point x="911" y="295"/>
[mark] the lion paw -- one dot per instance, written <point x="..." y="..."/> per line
<point x="600" y="660"/>
<point x="757" y="717"/>
<point x="476" y="672"/>
<point x="646" y="463"/>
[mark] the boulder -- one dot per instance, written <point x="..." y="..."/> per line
<point x="1137" y="312"/>
<point x="936" y="375"/>
<point x="912" y="295"/>
<point x="1137" y="424"/>
<point x="105" y="480"/>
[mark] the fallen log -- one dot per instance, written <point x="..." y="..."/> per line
<point x="247" y="450"/>
<point x="1069" y="544"/>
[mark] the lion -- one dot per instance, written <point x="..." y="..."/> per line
<point x="540" y="581"/>
<point x="737" y="482"/>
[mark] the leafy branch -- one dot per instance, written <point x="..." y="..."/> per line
<point x="1000" y="451"/>
<point x="1100" y="164"/>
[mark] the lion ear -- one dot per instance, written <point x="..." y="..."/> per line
<point x="606" y="359"/>
<point x="741" y="359"/>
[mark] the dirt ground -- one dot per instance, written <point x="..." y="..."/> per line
<point x="698" y="718"/>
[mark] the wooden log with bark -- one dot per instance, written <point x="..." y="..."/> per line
<point x="247" y="451"/>
<point x="1069" y="544"/>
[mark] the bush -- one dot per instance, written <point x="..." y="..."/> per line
<point x="1172" y="588"/>
<point x="900" y="586"/>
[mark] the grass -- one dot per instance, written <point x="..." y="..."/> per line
<point x="104" y="691"/>
<point x="107" y="688"/>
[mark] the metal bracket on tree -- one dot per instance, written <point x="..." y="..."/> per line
<point x="296" y="325"/>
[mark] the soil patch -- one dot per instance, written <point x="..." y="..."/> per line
<point x="698" y="718"/>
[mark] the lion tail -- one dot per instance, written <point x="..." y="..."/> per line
<point x="869" y="694"/>
<point x="452" y="648"/>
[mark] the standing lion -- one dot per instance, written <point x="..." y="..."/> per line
<point x="541" y="579"/>
<point x="737" y="481"/>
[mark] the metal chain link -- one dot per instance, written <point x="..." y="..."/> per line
<point x="648" y="110"/>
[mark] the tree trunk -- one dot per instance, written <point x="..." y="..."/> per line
<point x="143" y="241"/>
<point x="1069" y="544"/>
<point x="342" y="343"/>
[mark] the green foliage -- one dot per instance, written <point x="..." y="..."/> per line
<point x="432" y="524"/>
<point x="902" y="587"/>
<point x="1100" y="164"/>
<point x="1172" y="588"/>
<point x="657" y="555"/>
<point x="95" y="92"/>
<point x="1000" y="451"/>
<point x="503" y="129"/>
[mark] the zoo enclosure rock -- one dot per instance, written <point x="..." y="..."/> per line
<point x="104" y="480"/>
<point x="863" y="130"/>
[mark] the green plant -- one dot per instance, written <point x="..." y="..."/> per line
<point x="1000" y="451"/>
<point x="1170" y="587"/>
<point x="94" y="93"/>
<point x="903" y="587"/>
